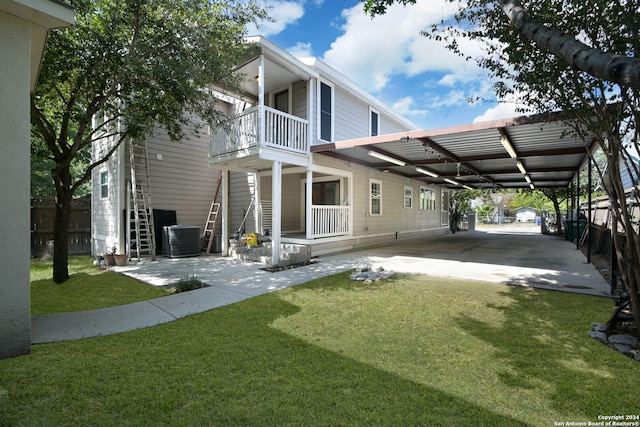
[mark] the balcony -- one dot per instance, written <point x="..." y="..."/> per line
<point x="242" y="136"/>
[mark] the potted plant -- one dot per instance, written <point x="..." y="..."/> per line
<point x="121" y="259"/>
<point x="110" y="256"/>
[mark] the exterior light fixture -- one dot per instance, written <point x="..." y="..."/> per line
<point x="386" y="158"/>
<point x="521" y="167"/>
<point x="467" y="187"/>
<point x="426" y="172"/>
<point x="451" y="181"/>
<point x="532" y="186"/>
<point x="526" y="177"/>
<point x="507" y="146"/>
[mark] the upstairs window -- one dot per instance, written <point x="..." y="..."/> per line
<point x="374" y="122"/>
<point x="104" y="184"/>
<point x="326" y="112"/>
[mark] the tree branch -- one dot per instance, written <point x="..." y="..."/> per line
<point x="622" y="70"/>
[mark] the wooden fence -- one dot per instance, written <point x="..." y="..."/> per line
<point x="42" y="219"/>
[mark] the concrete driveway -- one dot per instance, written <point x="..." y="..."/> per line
<point x="516" y="256"/>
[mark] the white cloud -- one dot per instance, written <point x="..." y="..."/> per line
<point x="504" y="110"/>
<point x="372" y="51"/>
<point x="301" y="50"/>
<point x="405" y="106"/>
<point x="283" y="14"/>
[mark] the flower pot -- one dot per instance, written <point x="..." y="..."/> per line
<point x="121" y="259"/>
<point x="109" y="259"/>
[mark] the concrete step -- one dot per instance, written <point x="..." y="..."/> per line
<point x="289" y="254"/>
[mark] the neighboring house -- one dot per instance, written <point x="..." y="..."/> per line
<point x="23" y="31"/>
<point x="526" y="214"/>
<point x="271" y="179"/>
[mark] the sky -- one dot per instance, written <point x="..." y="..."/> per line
<point x="389" y="58"/>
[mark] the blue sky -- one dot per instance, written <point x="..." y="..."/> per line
<point x="387" y="56"/>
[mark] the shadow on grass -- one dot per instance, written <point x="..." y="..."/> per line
<point x="544" y="344"/>
<point x="224" y="367"/>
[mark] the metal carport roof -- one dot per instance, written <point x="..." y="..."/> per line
<point x="519" y="152"/>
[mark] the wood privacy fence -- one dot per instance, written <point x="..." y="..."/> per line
<point x="43" y="213"/>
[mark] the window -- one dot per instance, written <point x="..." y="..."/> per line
<point x="408" y="197"/>
<point x="326" y="112"/>
<point x="444" y="201"/>
<point x="427" y="200"/>
<point x="374" y="122"/>
<point x="104" y="184"/>
<point x="375" y="199"/>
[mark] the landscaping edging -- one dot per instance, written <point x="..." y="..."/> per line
<point x="624" y="343"/>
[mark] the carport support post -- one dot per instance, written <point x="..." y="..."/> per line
<point x="577" y="211"/>
<point x="589" y="201"/>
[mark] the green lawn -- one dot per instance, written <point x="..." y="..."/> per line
<point x="88" y="288"/>
<point x="412" y="350"/>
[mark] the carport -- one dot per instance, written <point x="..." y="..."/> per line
<point x="540" y="151"/>
<point x="521" y="152"/>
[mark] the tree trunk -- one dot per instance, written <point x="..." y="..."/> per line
<point x="61" y="240"/>
<point x="64" y="196"/>
<point x="556" y="207"/>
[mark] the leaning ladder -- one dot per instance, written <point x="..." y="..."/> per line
<point x="209" y="230"/>
<point x="141" y="235"/>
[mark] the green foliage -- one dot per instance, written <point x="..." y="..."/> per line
<point x="413" y="350"/>
<point x="188" y="283"/>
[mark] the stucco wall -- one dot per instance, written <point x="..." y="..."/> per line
<point x="15" y="314"/>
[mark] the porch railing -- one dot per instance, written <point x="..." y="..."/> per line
<point x="242" y="132"/>
<point x="331" y="220"/>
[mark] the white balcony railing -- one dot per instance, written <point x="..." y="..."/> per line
<point x="282" y="131"/>
<point x="331" y="220"/>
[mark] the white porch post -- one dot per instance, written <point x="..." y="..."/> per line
<point x="276" y="200"/>
<point x="257" y="206"/>
<point x="261" y="137"/>
<point x="225" y="213"/>
<point x="308" y="206"/>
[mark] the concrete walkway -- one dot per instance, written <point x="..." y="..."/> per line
<point x="519" y="256"/>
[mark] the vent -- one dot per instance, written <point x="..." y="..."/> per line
<point x="181" y="241"/>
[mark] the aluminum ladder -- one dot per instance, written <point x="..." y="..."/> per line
<point x="209" y="229"/>
<point x="140" y="234"/>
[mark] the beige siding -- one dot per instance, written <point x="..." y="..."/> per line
<point x="181" y="179"/>
<point x="299" y="100"/>
<point x="292" y="200"/>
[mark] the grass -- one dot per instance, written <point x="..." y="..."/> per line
<point x="88" y="288"/>
<point x="411" y="350"/>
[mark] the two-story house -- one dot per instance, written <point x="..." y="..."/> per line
<point x="270" y="165"/>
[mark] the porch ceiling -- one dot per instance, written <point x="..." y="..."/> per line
<point x="476" y="155"/>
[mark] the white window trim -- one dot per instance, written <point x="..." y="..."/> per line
<point x="319" y="112"/>
<point x="375" y="181"/>
<point x="404" y="197"/>
<point x="105" y="173"/>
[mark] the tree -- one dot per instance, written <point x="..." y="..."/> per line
<point x="459" y="204"/>
<point x="138" y="64"/>
<point x="594" y="82"/>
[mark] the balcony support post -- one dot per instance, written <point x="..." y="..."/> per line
<point x="308" y="206"/>
<point x="276" y="200"/>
